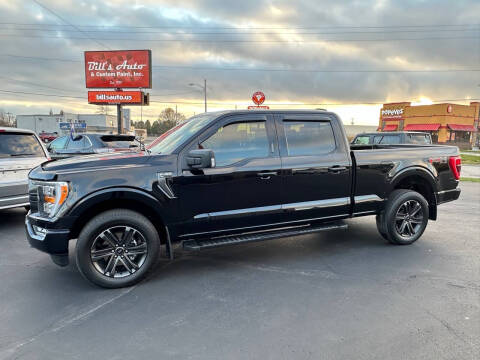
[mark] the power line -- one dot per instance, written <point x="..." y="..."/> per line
<point x="245" y="26"/>
<point x="70" y="24"/>
<point x="240" y="41"/>
<point x="241" y="103"/>
<point x="182" y="32"/>
<point x="216" y="68"/>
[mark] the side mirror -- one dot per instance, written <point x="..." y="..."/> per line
<point x="200" y="159"/>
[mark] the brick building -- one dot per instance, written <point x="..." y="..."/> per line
<point x="448" y="123"/>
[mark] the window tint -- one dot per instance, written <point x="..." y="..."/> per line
<point x="364" y="140"/>
<point x="234" y="142"/>
<point x="59" y="143"/>
<point x="76" y="144"/>
<point x="390" y="139"/>
<point x="308" y="137"/>
<point x="12" y="144"/>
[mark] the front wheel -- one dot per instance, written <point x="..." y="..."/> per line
<point x="405" y="217"/>
<point x="117" y="248"/>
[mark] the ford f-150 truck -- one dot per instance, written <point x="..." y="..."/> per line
<point x="228" y="178"/>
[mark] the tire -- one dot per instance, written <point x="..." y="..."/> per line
<point x="405" y="217"/>
<point x="117" y="248"/>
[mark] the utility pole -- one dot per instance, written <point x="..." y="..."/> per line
<point x="205" y="91"/>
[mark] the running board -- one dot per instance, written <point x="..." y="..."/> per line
<point x="194" y="245"/>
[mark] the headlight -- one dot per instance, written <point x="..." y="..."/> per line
<point x="51" y="196"/>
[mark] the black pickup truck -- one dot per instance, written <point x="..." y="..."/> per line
<point x="228" y="178"/>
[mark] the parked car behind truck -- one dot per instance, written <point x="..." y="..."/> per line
<point x="229" y="178"/>
<point x="90" y="143"/>
<point x="393" y="137"/>
<point x="20" y="151"/>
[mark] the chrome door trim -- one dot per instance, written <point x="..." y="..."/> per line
<point x="366" y="198"/>
<point x="305" y="205"/>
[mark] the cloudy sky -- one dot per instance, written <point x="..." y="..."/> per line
<point x="347" y="56"/>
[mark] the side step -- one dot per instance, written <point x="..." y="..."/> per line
<point x="194" y="245"/>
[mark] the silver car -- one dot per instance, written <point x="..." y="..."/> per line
<point x="20" y="151"/>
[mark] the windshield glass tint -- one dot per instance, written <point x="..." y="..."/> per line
<point x="12" y="144"/>
<point x="182" y="133"/>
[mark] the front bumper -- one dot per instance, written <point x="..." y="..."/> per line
<point x="49" y="237"/>
<point x="448" y="195"/>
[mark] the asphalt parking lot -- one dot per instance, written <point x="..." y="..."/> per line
<point x="346" y="294"/>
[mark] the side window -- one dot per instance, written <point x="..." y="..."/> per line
<point x="377" y="139"/>
<point x="363" y="140"/>
<point x="308" y="137"/>
<point x="237" y="141"/>
<point x="391" y="139"/>
<point x="59" y="143"/>
<point x="419" y="139"/>
<point x="76" y="144"/>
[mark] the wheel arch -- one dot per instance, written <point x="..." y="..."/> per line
<point x="118" y="198"/>
<point x="421" y="180"/>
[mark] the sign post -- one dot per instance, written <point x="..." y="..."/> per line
<point x="118" y="69"/>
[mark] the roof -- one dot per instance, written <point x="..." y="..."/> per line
<point x="12" y="129"/>
<point x="461" y="127"/>
<point x="393" y="133"/>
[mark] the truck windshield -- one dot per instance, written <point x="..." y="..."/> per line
<point x="179" y="134"/>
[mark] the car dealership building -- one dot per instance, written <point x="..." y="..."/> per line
<point x="448" y="123"/>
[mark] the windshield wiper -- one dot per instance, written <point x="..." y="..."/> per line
<point x="25" y="154"/>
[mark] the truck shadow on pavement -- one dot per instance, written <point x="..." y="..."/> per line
<point x="320" y="253"/>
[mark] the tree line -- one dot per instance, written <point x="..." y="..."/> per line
<point x="167" y="119"/>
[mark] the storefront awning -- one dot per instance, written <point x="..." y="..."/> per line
<point x="390" y="127"/>
<point x="458" y="127"/>
<point x="422" y="127"/>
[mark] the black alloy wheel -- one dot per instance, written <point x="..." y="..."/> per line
<point x="117" y="248"/>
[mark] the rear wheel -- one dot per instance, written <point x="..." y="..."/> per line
<point x="405" y="217"/>
<point x="117" y="248"/>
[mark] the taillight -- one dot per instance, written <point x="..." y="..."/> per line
<point x="455" y="163"/>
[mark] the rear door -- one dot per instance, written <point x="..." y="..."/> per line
<point x="316" y="167"/>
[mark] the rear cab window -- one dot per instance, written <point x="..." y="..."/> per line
<point x="20" y="145"/>
<point x="308" y="137"/>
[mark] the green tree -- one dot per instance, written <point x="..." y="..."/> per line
<point x="148" y="127"/>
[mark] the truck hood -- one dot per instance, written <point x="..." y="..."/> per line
<point x="67" y="168"/>
<point x="87" y="162"/>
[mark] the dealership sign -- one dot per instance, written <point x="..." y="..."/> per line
<point x="68" y="126"/>
<point x="116" y="97"/>
<point x="118" y="69"/>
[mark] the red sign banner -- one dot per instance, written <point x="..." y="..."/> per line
<point x="251" y="107"/>
<point x="115" y="97"/>
<point x="118" y="69"/>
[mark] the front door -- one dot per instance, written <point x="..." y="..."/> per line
<point x="242" y="192"/>
<point x="316" y="167"/>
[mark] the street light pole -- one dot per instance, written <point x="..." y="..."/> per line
<point x="204" y="88"/>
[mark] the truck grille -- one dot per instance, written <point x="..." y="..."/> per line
<point x="33" y="198"/>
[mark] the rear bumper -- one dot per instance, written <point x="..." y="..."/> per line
<point x="49" y="237"/>
<point x="448" y="195"/>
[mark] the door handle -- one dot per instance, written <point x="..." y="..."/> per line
<point x="267" y="174"/>
<point x="337" y="169"/>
